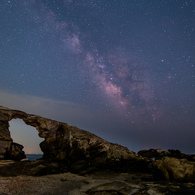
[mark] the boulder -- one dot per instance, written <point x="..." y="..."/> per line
<point x="156" y="154"/>
<point x="15" y="152"/>
<point x="174" y="169"/>
<point x="152" y="153"/>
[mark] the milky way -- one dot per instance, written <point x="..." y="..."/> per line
<point x="119" y="77"/>
<point x="128" y="64"/>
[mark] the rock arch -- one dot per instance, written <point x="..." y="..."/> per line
<point x="46" y="128"/>
<point x="25" y="135"/>
<point x="68" y="144"/>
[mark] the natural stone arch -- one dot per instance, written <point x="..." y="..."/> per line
<point x="25" y="135"/>
<point x="68" y="144"/>
<point x="47" y="129"/>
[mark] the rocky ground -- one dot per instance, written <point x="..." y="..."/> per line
<point x="76" y="161"/>
<point x="101" y="184"/>
<point x="97" y="183"/>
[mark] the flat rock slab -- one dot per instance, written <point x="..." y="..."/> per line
<point x="72" y="184"/>
<point x="115" y="187"/>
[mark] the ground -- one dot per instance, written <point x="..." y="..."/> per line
<point x="96" y="184"/>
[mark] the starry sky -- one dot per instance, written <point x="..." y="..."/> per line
<point x="122" y="69"/>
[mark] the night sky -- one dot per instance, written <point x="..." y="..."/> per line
<point x="122" y="69"/>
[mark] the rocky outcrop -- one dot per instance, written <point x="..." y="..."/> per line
<point x="157" y="154"/>
<point x="5" y="139"/>
<point x="8" y="149"/>
<point x="152" y="153"/>
<point x="73" y="146"/>
<point x="171" y="164"/>
<point x="68" y="148"/>
<point x="174" y="169"/>
<point x="15" y="152"/>
<point x="71" y="184"/>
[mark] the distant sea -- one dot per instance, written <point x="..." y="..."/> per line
<point x="34" y="156"/>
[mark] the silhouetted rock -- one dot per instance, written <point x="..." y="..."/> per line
<point x="15" y="152"/>
<point x="8" y="149"/>
<point x="157" y="154"/>
<point x="152" y="153"/>
<point x="5" y="139"/>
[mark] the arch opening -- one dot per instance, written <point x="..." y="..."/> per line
<point x="27" y="136"/>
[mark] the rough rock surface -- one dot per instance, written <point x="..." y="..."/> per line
<point x="115" y="187"/>
<point x="5" y="139"/>
<point x="106" y="168"/>
<point x="15" y="152"/>
<point x="174" y="169"/>
<point x="101" y="184"/>
<point x="68" y="148"/>
<point x="73" y="146"/>
<point x="157" y="154"/>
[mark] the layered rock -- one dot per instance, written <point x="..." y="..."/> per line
<point x="68" y="148"/>
<point x="15" y="152"/>
<point x="5" y="139"/>
<point x="69" y="144"/>
<point x="174" y="169"/>
<point x="157" y="154"/>
<point x="171" y="164"/>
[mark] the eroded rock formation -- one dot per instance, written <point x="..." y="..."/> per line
<point x="157" y="154"/>
<point x="171" y="164"/>
<point x="5" y="139"/>
<point x="71" y="145"/>
<point x="15" y="152"/>
<point x="68" y="148"/>
<point x="174" y="169"/>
